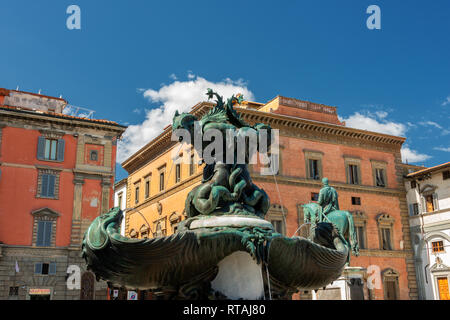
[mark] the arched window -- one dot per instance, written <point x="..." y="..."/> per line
<point x="87" y="286"/>
<point x="277" y="217"/>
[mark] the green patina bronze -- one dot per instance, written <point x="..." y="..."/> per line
<point x="224" y="215"/>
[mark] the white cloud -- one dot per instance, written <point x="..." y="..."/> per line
<point x="412" y="156"/>
<point x="442" y="149"/>
<point x="430" y="123"/>
<point x="173" y="76"/>
<point x="375" y="122"/>
<point x="137" y="110"/>
<point x="179" y="95"/>
<point x="446" y="102"/>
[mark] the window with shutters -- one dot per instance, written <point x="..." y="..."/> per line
<point x="50" y="149"/>
<point x="413" y="209"/>
<point x="353" y="170"/>
<point x="385" y="231"/>
<point x="45" y="268"/>
<point x="48" y="183"/>
<point x="44" y="227"/>
<point x="44" y="233"/>
<point x="147" y="186"/>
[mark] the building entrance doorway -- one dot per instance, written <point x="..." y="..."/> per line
<point x="444" y="293"/>
<point x="39" y="297"/>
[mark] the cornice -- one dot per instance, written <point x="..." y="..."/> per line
<point x="289" y="180"/>
<point x="42" y="121"/>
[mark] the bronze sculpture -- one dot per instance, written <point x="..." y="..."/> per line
<point x="224" y="216"/>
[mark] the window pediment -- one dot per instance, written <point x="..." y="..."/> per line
<point x="428" y="189"/>
<point x="46" y="212"/>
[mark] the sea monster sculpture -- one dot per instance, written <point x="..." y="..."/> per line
<point x="224" y="221"/>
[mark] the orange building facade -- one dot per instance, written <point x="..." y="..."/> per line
<point x="56" y="176"/>
<point x="364" y="167"/>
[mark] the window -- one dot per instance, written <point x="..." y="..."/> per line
<point x="360" y="222"/>
<point x="50" y="149"/>
<point x="314" y="196"/>
<point x="177" y="173"/>
<point x="161" y="181"/>
<point x="192" y="165"/>
<point x="356" y="201"/>
<point x="136" y="194"/>
<point x="147" y="188"/>
<point x="385" y="231"/>
<point x="413" y="184"/>
<point x="429" y="203"/>
<point x="413" y="209"/>
<point x="386" y="238"/>
<point x="360" y="234"/>
<point x="48" y="186"/>
<point x="446" y="175"/>
<point x="119" y="197"/>
<point x="379" y="177"/>
<point x="278" y="225"/>
<point x="353" y="174"/>
<point x="437" y="246"/>
<point x="45" y="268"/>
<point x="13" y="291"/>
<point x="44" y="233"/>
<point x="93" y="155"/>
<point x="314" y="169"/>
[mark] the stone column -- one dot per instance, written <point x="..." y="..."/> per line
<point x="75" y="239"/>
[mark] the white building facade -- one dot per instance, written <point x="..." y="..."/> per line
<point x="120" y="200"/>
<point x="428" y="198"/>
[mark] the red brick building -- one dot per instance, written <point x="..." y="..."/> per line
<point x="56" y="176"/>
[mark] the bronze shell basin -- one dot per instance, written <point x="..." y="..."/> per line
<point x="183" y="265"/>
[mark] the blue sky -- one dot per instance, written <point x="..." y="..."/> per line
<point x="129" y="54"/>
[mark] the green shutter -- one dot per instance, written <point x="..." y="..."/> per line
<point x="48" y="233"/>
<point x="38" y="268"/>
<point x="61" y="146"/>
<point x="41" y="148"/>
<point x="51" y="185"/>
<point x="52" y="268"/>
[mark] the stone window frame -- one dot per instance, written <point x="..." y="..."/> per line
<point x="385" y="221"/>
<point x="428" y="190"/>
<point x="133" y="234"/>
<point x="390" y="274"/>
<point x="51" y="171"/>
<point x="147" y="179"/>
<point x="275" y="213"/>
<point x="120" y="199"/>
<point x="60" y="145"/>
<point x="44" y="214"/>
<point x="178" y="178"/>
<point x="377" y="164"/>
<point x="360" y="219"/>
<point x="144" y="231"/>
<point x="313" y="155"/>
<point x="174" y="220"/>
<point x="162" y="170"/>
<point x="352" y="160"/>
<point x="137" y="191"/>
<point x="162" y="223"/>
